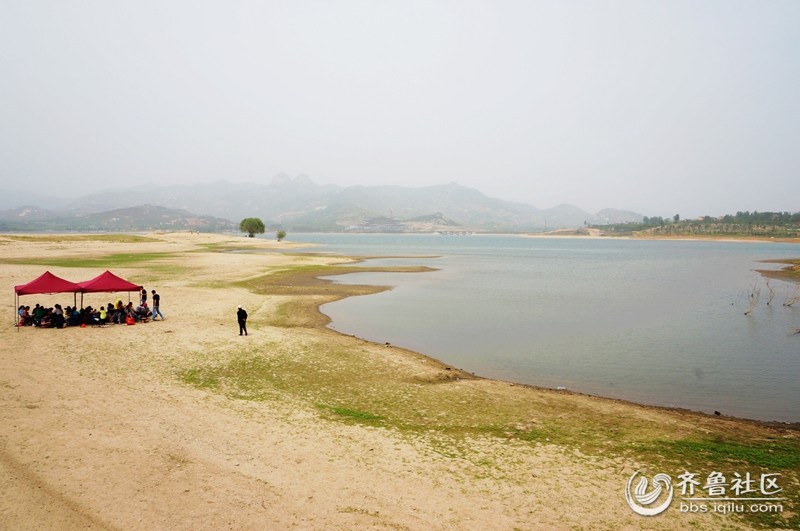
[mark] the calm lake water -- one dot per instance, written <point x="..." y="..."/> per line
<point x="655" y="322"/>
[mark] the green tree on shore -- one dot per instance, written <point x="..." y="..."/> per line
<point x="280" y="235"/>
<point x="252" y="226"/>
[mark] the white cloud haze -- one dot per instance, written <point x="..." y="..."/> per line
<point x="661" y="107"/>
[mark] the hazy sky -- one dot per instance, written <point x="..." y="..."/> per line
<point x="661" y="107"/>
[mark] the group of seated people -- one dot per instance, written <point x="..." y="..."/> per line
<point x="58" y="317"/>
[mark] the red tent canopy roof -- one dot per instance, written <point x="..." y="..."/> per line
<point x="47" y="283"/>
<point x="107" y="282"/>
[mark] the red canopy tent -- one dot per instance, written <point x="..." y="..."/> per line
<point x="106" y="282"/>
<point x="46" y="283"/>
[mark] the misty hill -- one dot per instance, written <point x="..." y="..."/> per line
<point x="11" y="198"/>
<point x="144" y="217"/>
<point x="28" y="214"/>
<point x="298" y="204"/>
<point x="609" y="216"/>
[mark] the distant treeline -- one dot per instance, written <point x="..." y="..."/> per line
<point x="776" y="224"/>
<point x="757" y="218"/>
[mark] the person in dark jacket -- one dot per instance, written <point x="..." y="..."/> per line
<point x="241" y="316"/>
<point x="156" y="305"/>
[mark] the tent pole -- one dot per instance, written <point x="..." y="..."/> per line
<point x="16" y="307"/>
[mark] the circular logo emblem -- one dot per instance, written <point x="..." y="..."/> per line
<point x="649" y="502"/>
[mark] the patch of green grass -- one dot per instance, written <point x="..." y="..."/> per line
<point x="772" y="455"/>
<point x="246" y="377"/>
<point x="362" y="388"/>
<point x="220" y="247"/>
<point x="107" y="261"/>
<point x="775" y="520"/>
<point x="533" y="434"/>
<point x="240" y="246"/>
<point x="201" y="378"/>
<point x="361" y="417"/>
<point x="111" y="238"/>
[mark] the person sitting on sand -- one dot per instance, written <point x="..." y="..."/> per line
<point x="119" y="313"/>
<point x="38" y="313"/>
<point x="47" y="318"/>
<point x="88" y="316"/>
<point x="74" y="317"/>
<point x="25" y="317"/>
<point x="142" y="312"/>
<point x="58" y="317"/>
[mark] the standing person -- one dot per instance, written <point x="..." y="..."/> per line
<point x="156" y="304"/>
<point x="144" y="296"/>
<point x="241" y="315"/>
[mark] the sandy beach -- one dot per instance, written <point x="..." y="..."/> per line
<point x="183" y="424"/>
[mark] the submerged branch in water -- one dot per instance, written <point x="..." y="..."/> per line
<point x="755" y="295"/>
<point x="771" y="293"/>
<point x="794" y="298"/>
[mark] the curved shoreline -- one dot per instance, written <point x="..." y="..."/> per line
<point x="789" y="273"/>
<point x="348" y="290"/>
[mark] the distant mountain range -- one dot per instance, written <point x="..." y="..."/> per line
<point x="296" y="204"/>
<point x="138" y="218"/>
